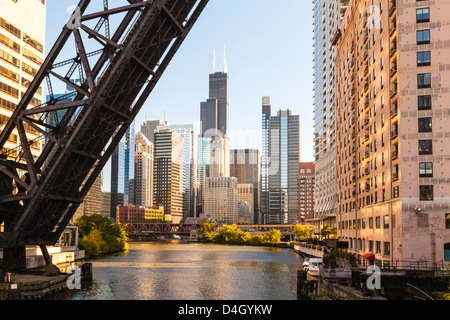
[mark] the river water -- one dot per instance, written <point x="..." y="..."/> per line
<point x="175" y="270"/>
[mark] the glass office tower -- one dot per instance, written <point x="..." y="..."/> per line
<point x="122" y="172"/>
<point x="281" y="155"/>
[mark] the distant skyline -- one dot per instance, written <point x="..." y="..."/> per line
<point x="268" y="53"/>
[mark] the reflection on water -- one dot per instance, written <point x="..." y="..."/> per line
<point x="192" y="271"/>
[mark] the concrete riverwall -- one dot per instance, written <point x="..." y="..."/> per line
<point x="308" y="249"/>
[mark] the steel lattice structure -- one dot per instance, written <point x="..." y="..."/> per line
<point x="161" y="228"/>
<point x="39" y="195"/>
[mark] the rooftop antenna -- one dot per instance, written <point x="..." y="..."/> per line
<point x="214" y="62"/>
<point x="225" y="67"/>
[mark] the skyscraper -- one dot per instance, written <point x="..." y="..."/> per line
<point x="281" y="140"/>
<point x="168" y="173"/>
<point x="122" y="172"/>
<point x="148" y="128"/>
<point x="214" y="112"/>
<point x="218" y="88"/>
<point x="246" y="195"/>
<point x="144" y="157"/>
<point x="203" y="168"/>
<point x="325" y="202"/>
<point x="219" y="165"/>
<point x="208" y="115"/>
<point x="189" y="133"/>
<point x="245" y="165"/>
<point x="22" y="38"/>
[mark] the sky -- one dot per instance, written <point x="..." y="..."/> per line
<point x="268" y="52"/>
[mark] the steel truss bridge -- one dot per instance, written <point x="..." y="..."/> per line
<point x="185" y="229"/>
<point x="119" y="53"/>
<point x="161" y="228"/>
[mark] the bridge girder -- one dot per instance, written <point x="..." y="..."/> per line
<point x="39" y="195"/>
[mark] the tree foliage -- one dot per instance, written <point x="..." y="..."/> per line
<point x="231" y="234"/>
<point x="303" y="232"/>
<point x="328" y="232"/>
<point x="98" y="235"/>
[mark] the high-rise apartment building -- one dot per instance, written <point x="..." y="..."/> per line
<point x="122" y="172"/>
<point x="245" y="165"/>
<point x="306" y="176"/>
<point x="22" y="38"/>
<point x="168" y="173"/>
<point x="393" y="139"/>
<point x="221" y="199"/>
<point x="281" y="155"/>
<point x="144" y="160"/>
<point x="189" y="133"/>
<point x="327" y="15"/>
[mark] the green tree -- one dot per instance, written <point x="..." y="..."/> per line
<point x="86" y="223"/>
<point x="303" y="232"/>
<point x="273" y="236"/>
<point x="207" y="226"/>
<point x="93" y="243"/>
<point x="256" y="240"/>
<point x="327" y="231"/>
<point x="98" y="235"/>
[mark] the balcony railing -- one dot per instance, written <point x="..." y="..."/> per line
<point x="393" y="69"/>
<point x="392" y="7"/>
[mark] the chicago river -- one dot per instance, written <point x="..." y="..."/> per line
<point x="175" y="270"/>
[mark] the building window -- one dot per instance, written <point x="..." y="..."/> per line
<point x="424" y="102"/>
<point x="370" y="223"/>
<point x="395" y="172"/>
<point x="425" y="147"/>
<point x="447" y="221"/>
<point x="386" y="222"/>
<point x="424" y="80"/>
<point x="423" y="58"/>
<point x="425" y="124"/>
<point x="423" y="36"/>
<point x="378" y="247"/>
<point x="426" y="193"/>
<point x="377" y="222"/>
<point x="447" y="251"/>
<point x="423" y="15"/>
<point x="426" y="169"/>
<point x="387" y="248"/>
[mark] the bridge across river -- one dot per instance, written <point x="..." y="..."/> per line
<point x="145" y="229"/>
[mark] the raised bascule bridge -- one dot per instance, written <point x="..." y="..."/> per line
<point x="119" y="54"/>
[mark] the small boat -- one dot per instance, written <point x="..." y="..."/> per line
<point x="314" y="266"/>
<point x="306" y="264"/>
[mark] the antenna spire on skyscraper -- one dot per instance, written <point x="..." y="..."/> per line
<point x="214" y="62"/>
<point x="225" y="67"/>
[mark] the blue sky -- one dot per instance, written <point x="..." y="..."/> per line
<point x="268" y="50"/>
